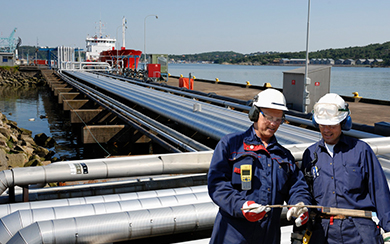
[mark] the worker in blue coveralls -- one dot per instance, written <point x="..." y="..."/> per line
<point x="250" y="170"/>
<point x="345" y="174"/>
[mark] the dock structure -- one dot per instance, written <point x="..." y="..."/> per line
<point x="186" y="125"/>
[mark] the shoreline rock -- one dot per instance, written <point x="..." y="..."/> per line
<point x="12" y="77"/>
<point x="19" y="149"/>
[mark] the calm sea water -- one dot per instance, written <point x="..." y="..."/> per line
<point x="35" y="109"/>
<point x="368" y="82"/>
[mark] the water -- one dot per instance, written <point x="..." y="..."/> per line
<point x="35" y="109"/>
<point x="371" y="83"/>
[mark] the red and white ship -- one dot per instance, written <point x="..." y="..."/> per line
<point x="98" y="43"/>
<point x="102" y="49"/>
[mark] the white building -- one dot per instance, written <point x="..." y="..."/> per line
<point x="7" y="59"/>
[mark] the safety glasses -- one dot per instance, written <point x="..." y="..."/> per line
<point x="328" y="110"/>
<point x="277" y="120"/>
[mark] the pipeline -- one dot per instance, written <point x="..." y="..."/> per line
<point x="12" y="223"/>
<point x="211" y="121"/>
<point x="139" y="118"/>
<point x="103" y="100"/>
<point x="121" y="226"/>
<point x="107" y="168"/>
<point x="6" y="209"/>
<point x="233" y="103"/>
<point x="209" y="97"/>
<point x="119" y="186"/>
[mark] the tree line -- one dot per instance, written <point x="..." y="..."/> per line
<point x="372" y="51"/>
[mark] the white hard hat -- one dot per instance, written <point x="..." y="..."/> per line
<point x="331" y="109"/>
<point x="271" y="98"/>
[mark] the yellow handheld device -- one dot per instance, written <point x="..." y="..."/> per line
<point x="307" y="236"/>
<point x="246" y="176"/>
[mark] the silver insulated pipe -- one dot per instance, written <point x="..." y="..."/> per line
<point x="178" y="163"/>
<point x="12" y="223"/>
<point x="6" y="209"/>
<point x="121" y="226"/>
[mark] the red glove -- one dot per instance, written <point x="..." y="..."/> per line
<point x="299" y="212"/>
<point x="256" y="212"/>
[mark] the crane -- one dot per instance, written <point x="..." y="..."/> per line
<point x="11" y="43"/>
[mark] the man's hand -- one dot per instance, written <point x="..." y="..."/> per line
<point x="299" y="212"/>
<point x="256" y="213"/>
<point x="386" y="237"/>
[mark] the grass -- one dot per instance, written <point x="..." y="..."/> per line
<point x="13" y="69"/>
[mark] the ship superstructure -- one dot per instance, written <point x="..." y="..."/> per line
<point x="97" y="44"/>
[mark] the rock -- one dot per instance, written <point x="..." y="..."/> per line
<point x="50" y="142"/>
<point x="13" y="138"/>
<point x="35" y="161"/>
<point x="50" y="155"/>
<point x="3" y="143"/>
<point x="17" y="79"/>
<point x="25" y="131"/>
<point x="3" y="160"/>
<point x="19" y="148"/>
<point x="44" y="163"/>
<point x="41" y="151"/>
<point x="16" y="160"/>
<point x="40" y="139"/>
<point x="12" y="124"/>
<point x="28" y="140"/>
<point x="29" y="151"/>
<point x="5" y="132"/>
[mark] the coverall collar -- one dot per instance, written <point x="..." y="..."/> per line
<point x="254" y="143"/>
<point x="342" y="141"/>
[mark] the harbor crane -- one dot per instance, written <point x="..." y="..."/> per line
<point x="10" y="44"/>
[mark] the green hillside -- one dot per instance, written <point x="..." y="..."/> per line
<point x="372" y="51"/>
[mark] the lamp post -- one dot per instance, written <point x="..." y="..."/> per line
<point x="124" y="27"/>
<point x="306" y="99"/>
<point x="116" y="40"/>
<point x="145" y="36"/>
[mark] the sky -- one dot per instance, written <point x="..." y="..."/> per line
<point x="198" y="26"/>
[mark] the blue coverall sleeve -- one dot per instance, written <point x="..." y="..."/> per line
<point x="379" y="189"/>
<point x="299" y="191"/>
<point x="220" y="186"/>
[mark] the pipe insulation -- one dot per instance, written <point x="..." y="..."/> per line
<point x="121" y="226"/>
<point x="210" y="120"/>
<point x="6" y="209"/>
<point x="213" y="98"/>
<point x="107" y="187"/>
<point x="193" y="162"/>
<point x="380" y="145"/>
<point x="237" y="104"/>
<point x="12" y="223"/>
<point x="146" y="97"/>
<point x="139" y="121"/>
